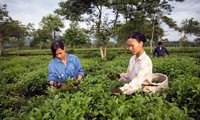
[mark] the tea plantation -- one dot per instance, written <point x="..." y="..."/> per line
<point x="25" y="93"/>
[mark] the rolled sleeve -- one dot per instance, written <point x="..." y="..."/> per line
<point x="80" y="70"/>
<point x="137" y="81"/>
<point x="50" y="74"/>
<point x="154" y="52"/>
<point x="167" y="51"/>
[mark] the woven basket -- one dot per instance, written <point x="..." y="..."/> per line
<point x="161" y="82"/>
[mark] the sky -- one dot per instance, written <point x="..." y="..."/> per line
<point x="32" y="11"/>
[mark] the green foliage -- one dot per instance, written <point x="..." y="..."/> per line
<point x="174" y="67"/>
<point x="190" y="26"/>
<point x="25" y="94"/>
<point x="40" y="37"/>
<point x="11" y="31"/>
<point x="50" y="28"/>
<point x="21" y="78"/>
<point x="68" y="9"/>
<point x="51" y="24"/>
<point x="75" y="36"/>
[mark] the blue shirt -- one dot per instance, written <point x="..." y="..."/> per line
<point x="160" y="52"/>
<point x="60" y="72"/>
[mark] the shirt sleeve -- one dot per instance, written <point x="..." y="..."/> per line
<point x="167" y="51"/>
<point x="126" y="74"/>
<point x="80" y="70"/>
<point x="154" y="52"/>
<point x="137" y="81"/>
<point x="50" y="73"/>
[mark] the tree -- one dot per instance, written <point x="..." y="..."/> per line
<point x="52" y="24"/>
<point x="124" y="8"/>
<point x="183" y="41"/>
<point x="75" y="35"/>
<point x="17" y="32"/>
<point x="40" y="37"/>
<point x="30" y="29"/>
<point x="4" y="20"/>
<point x="50" y="27"/>
<point x="123" y="30"/>
<point x="10" y="28"/>
<point x="189" y="27"/>
<point x="157" y="11"/>
<point x="197" y="41"/>
<point x="139" y="12"/>
<point x="74" y="9"/>
<point x="104" y="36"/>
<point x="142" y="13"/>
<point x="90" y="11"/>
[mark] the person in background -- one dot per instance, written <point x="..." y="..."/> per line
<point x="160" y="50"/>
<point x="63" y="66"/>
<point x="139" y="70"/>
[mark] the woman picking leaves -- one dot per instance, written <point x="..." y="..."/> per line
<point x="64" y="66"/>
<point x="139" y="69"/>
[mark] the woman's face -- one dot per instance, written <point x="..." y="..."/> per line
<point x="60" y="53"/>
<point x="135" y="46"/>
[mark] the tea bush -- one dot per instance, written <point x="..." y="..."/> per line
<point x="25" y="93"/>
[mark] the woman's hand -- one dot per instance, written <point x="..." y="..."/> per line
<point x="117" y="92"/>
<point x="57" y="84"/>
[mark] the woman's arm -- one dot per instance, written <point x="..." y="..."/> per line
<point x="137" y="81"/>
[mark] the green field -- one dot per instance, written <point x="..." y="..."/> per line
<point x="147" y="49"/>
<point x="25" y="95"/>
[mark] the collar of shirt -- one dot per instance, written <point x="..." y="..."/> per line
<point x="142" y="56"/>
<point x="58" y="60"/>
<point x="160" y="48"/>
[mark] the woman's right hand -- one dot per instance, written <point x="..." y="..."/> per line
<point x="51" y="82"/>
<point x="118" y="75"/>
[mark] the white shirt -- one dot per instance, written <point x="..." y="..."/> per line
<point x="139" y="71"/>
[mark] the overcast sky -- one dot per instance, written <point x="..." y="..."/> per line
<point x="32" y="11"/>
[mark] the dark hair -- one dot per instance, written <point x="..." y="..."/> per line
<point x="138" y="35"/>
<point x="55" y="45"/>
<point x="160" y="43"/>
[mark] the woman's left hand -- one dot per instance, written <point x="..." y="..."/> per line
<point x="116" y="92"/>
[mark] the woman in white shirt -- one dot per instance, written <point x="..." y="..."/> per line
<point x="139" y="70"/>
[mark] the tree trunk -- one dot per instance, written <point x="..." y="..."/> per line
<point x="98" y="29"/>
<point x="105" y="51"/>
<point x="101" y="51"/>
<point x="152" y="36"/>
<point x="40" y="45"/>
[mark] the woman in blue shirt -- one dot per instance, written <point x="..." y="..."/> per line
<point x="63" y="66"/>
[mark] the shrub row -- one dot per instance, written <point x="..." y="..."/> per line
<point x="25" y="93"/>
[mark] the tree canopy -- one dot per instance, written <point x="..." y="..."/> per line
<point x="10" y="28"/>
<point x="75" y="36"/>
<point x="105" y="19"/>
<point x="52" y="24"/>
<point x="142" y="13"/>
